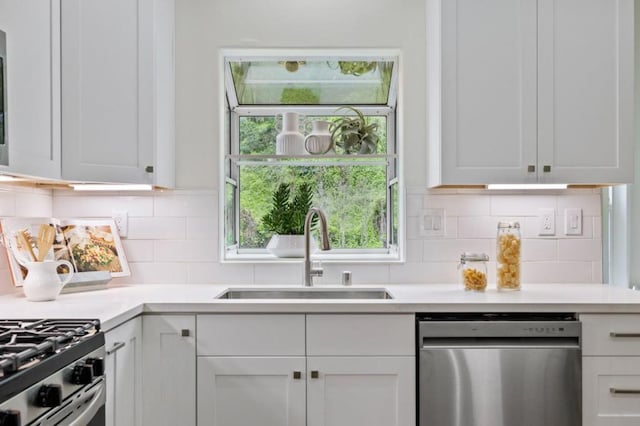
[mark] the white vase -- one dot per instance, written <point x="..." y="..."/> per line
<point x="319" y="140"/>
<point x="289" y="245"/>
<point x="290" y="141"/>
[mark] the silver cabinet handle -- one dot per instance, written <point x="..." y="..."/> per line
<point x="615" y="334"/>
<point x="116" y="347"/>
<point x="625" y="391"/>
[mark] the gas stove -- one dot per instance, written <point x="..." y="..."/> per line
<point x="51" y="372"/>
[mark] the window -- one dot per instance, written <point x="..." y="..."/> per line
<point x="357" y="191"/>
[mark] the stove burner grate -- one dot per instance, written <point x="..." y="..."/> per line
<point x="23" y="342"/>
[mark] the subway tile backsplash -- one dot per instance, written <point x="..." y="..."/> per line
<point x="173" y="236"/>
<point x="20" y="201"/>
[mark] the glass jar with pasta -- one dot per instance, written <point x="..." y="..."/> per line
<point x="508" y="255"/>
<point x="473" y="267"/>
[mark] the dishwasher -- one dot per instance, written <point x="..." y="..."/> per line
<point x="499" y="370"/>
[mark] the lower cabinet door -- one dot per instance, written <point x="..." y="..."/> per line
<point x="123" y="375"/>
<point x="367" y="391"/>
<point x="169" y="370"/>
<point x="244" y="391"/>
<point x="611" y="391"/>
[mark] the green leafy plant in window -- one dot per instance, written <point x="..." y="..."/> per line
<point x="355" y="134"/>
<point x="288" y="209"/>
<point x="356" y="68"/>
<point x="299" y="96"/>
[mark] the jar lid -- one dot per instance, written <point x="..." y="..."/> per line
<point x="509" y="225"/>
<point x="473" y="257"/>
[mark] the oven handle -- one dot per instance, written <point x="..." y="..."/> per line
<point x="94" y="406"/>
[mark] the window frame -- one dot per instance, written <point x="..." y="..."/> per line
<point x="231" y="161"/>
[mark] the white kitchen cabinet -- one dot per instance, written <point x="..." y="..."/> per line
<point x="32" y="66"/>
<point x="362" y="390"/>
<point x="610" y="370"/>
<point x="123" y="364"/>
<point x="118" y="99"/>
<point x="241" y="391"/>
<point x="530" y="91"/>
<point x="359" y="369"/>
<point x="611" y="391"/>
<point x="169" y="370"/>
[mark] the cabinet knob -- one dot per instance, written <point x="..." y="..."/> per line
<point x="297" y="375"/>
<point x="185" y="332"/>
<point x="315" y="374"/>
<point x="148" y="169"/>
<point x="546" y="169"/>
<point x="531" y="168"/>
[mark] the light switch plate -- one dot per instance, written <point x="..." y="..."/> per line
<point x="573" y="221"/>
<point x="431" y="223"/>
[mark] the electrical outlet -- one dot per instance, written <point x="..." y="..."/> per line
<point x="573" y="221"/>
<point x="122" y="222"/>
<point x="546" y="221"/>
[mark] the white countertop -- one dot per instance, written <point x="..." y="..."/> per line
<point x="118" y="304"/>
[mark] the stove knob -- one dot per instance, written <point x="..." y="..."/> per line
<point x="10" y="418"/>
<point x="49" y="396"/>
<point x="98" y="366"/>
<point x="82" y="374"/>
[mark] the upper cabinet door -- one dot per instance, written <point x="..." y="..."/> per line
<point x="117" y="101"/>
<point x="31" y="95"/>
<point x="585" y="109"/>
<point x="482" y="91"/>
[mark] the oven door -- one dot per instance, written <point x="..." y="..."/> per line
<point x="84" y="408"/>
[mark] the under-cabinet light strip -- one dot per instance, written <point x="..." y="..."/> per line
<point x="528" y="186"/>
<point x="111" y="187"/>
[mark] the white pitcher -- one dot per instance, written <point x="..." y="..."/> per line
<point x="290" y="141"/>
<point x="43" y="282"/>
<point x="319" y="141"/>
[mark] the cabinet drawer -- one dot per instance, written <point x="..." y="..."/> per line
<point x="360" y="335"/>
<point x="611" y="391"/>
<point x="259" y="335"/>
<point x="610" y="335"/>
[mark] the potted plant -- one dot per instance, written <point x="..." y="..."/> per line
<point x="285" y="219"/>
<point x="356" y="68"/>
<point x="354" y="134"/>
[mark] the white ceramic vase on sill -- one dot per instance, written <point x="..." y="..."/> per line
<point x="289" y="245"/>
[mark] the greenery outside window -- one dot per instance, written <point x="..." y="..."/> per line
<point x="358" y="192"/>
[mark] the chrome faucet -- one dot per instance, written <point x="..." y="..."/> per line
<point x="309" y="271"/>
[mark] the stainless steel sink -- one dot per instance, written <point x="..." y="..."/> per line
<point x="306" y="293"/>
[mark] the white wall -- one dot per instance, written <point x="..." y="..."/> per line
<point x="205" y="26"/>
<point x="173" y="235"/>
<point x="173" y="238"/>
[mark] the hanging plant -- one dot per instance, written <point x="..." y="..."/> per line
<point x="354" y="134"/>
<point x="356" y="68"/>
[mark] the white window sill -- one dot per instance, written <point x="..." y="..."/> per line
<point x="260" y="256"/>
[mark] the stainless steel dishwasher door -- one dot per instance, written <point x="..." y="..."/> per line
<point x="485" y="379"/>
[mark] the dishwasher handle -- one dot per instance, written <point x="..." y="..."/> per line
<point x="500" y="342"/>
